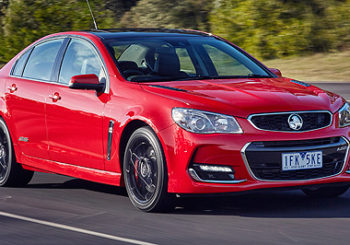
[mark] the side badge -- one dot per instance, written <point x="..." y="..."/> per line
<point x="24" y="139"/>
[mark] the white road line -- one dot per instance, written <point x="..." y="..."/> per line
<point x="71" y="228"/>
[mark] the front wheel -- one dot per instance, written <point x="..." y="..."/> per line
<point x="145" y="172"/>
<point x="11" y="172"/>
<point x="326" y="192"/>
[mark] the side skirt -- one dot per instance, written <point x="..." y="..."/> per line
<point x="48" y="166"/>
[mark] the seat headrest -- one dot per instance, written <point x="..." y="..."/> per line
<point x="168" y="62"/>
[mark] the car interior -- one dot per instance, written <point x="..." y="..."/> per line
<point x="154" y="64"/>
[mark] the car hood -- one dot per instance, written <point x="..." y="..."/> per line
<point x="242" y="97"/>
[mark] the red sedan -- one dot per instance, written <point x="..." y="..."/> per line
<point x="165" y="112"/>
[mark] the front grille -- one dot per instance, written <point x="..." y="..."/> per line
<point x="297" y="143"/>
<point x="279" y="121"/>
<point x="265" y="158"/>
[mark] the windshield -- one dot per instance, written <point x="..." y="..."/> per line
<point x="181" y="58"/>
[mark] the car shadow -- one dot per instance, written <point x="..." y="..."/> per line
<point x="265" y="204"/>
<point x="81" y="184"/>
<point x="270" y="204"/>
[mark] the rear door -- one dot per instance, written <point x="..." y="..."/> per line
<point x="74" y="117"/>
<point x="26" y="95"/>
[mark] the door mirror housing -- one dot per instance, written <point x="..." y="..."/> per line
<point x="86" y="81"/>
<point x="276" y="71"/>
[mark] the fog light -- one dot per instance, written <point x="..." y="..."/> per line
<point x="214" y="168"/>
<point x="211" y="173"/>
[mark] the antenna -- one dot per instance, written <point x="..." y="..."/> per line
<point x="92" y="15"/>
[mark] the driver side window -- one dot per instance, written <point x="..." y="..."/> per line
<point x="81" y="58"/>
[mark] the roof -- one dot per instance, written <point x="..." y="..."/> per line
<point x="145" y="32"/>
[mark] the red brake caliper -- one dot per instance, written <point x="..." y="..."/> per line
<point x="135" y="169"/>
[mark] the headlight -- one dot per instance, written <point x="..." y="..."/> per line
<point x="344" y="116"/>
<point x="204" y="122"/>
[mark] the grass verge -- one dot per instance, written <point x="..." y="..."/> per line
<point x="329" y="67"/>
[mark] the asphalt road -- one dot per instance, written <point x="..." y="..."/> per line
<point x="60" y="210"/>
<point x="342" y="89"/>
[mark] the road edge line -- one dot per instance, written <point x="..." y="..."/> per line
<point x="75" y="229"/>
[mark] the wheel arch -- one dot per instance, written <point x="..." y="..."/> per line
<point x="14" y="142"/>
<point x="130" y="127"/>
<point x="4" y="115"/>
<point x="127" y="132"/>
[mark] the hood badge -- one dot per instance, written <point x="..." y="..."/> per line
<point x="295" y="122"/>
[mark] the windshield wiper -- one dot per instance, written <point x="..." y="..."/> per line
<point x="147" y="79"/>
<point x="143" y="79"/>
<point x="257" y="76"/>
<point x="207" y="78"/>
<point x="222" y="77"/>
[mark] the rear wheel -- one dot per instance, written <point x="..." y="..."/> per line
<point x="11" y="173"/>
<point x="145" y="172"/>
<point x="326" y="192"/>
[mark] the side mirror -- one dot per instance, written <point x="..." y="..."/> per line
<point x="86" y="81"/>
<point x="276" y="71"/>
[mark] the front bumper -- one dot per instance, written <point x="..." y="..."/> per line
<point x="263" y="159"/>
<point x="183" y="148"/>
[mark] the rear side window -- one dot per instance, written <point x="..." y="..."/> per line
<point x="42" y="60"/>
<point x="18" y="70"/>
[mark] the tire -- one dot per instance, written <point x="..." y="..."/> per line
<point x="11" y="173"/>
<point x="145" y="172"/>
<point x="326" y="192"/>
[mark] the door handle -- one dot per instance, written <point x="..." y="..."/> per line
<point x="55" y="97"/>
<point x="12" y="88"/>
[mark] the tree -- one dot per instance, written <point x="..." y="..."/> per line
<point x="276" y="28"/>
<point x="3" y="6"/>
<point x="168" y="14"/>
<point x="119" y="7"/>
<point x="26" y="21"/>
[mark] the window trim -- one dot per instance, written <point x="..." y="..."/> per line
<point x="57" y="66"/>
<point x="58" y="60"/>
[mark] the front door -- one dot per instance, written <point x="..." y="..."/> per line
<point x="74" y="117"/>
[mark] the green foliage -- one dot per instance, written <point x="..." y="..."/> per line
<point x="3" y="6"/>
<point x="119" y="7"/>
<point x="168" y="14"/>
<point x="26" y="21"/>
<point x="338" y="24"/>
<point x="276" y="28"/>
<point x="265" y="28"/>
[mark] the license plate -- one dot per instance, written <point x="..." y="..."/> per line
<point x="301" y="160"/>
